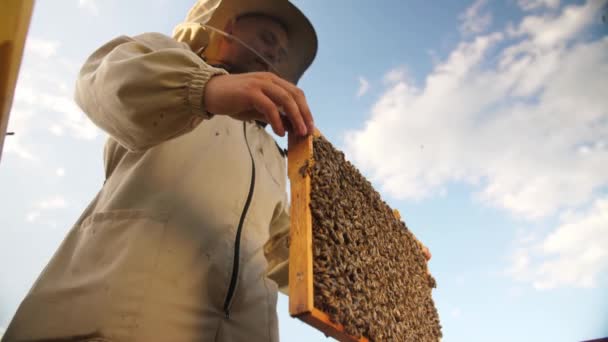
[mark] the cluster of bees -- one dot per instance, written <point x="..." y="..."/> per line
<point x="369" y="270"/>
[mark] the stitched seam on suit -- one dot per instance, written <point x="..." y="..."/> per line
<point x="268" y="308"/>
<point x="151" y="276"/>
<point x="217" y="331"/>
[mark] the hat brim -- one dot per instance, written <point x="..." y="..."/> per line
<point x="302" y="36"/>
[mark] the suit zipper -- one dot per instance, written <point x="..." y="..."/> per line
<point x="237" y="240"/>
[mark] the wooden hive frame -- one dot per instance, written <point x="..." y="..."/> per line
<point x="14" y="24"/>
<point x="301" y="296"/>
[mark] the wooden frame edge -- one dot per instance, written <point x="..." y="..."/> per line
<point x="300" y="155"/>
<point x="13" y="32"/>
<point x="301" y="296"/>
<point x="320" y="320"/>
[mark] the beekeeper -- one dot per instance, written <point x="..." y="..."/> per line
<point x="193" y="215"/>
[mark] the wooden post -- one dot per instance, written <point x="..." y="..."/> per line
<point x="14" y="22"/>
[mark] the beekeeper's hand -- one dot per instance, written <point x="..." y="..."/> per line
<point x="425" y="251"/>
<point x="427" y="254"/>
<point x="259" y="96"/>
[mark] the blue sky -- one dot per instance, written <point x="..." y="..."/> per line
<point x="484" y="122"/>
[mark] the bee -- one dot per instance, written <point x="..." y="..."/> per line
<point x="304" y="169"/>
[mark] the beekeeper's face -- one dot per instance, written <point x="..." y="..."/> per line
<point x="265" y="35"/>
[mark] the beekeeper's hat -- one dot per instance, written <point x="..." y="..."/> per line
<point x="216" y="13"/>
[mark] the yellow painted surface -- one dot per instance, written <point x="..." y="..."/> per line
<point x="14" y="21"/>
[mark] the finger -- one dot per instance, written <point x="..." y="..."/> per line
<point x="251" y="114"/>
<point x="425" y="250"/>
<point x="284" y="99"/>
<point x="427" y="253"/>
<point x="286" y="123"/>
<point x="266" y="106"/>
<point x="300" y="99"/>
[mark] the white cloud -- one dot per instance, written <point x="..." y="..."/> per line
<point x="41" y="47"/>
<point x="548" y="30"/>
<point x="89" y="5"/>
<point x="55" y="202"/>
<point x="56" y="130"/>
<point x="574" y="254"/>
<point x="44" y="206"/>
<point x="43" y="102"/>
<point x="363" y="86"/>
<point x="60" y="172"/>
<point x="32" y="216"/>
<point x="396" y="75"/>
<point x="19" y="123"/>
<point x="511" y="119"/>
<point x="528" y="5"/>
<point x="473" y="20"/>
<point x="72" y="117"/>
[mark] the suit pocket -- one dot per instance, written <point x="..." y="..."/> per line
<point x="96" y="282"/>
<point x="115" y="259"/>
<point x="120" y="247"/>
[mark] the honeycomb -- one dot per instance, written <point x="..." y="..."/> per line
<point x="370" y="273"/>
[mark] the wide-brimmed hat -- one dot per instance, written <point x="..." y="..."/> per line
<point x="217" y="13"/>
